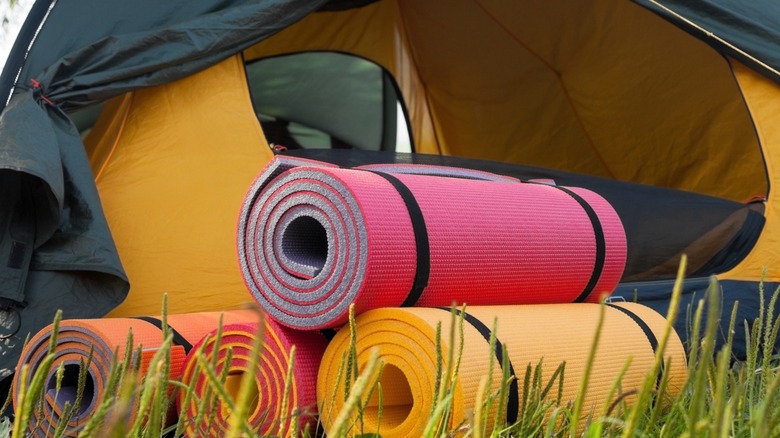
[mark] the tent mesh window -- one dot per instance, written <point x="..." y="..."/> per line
<point x="328" y="100"/>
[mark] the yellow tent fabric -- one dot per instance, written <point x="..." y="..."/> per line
<point x="763" y="100"/>
<point x="172" y="166"/>
<point x="567" y="85"/>
<point x="605" y="88"/>
<point x="554" y="333"/>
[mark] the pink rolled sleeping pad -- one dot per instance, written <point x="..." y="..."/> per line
<point x="314" y="238"/>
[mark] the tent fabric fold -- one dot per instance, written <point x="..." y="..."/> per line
<point x="104" y="337"/>
<point x="547" y="333"/>
<point x="67" y="258"/>
<point x="314" y="239"/>
<point x="99" y="62"/>
<point x="42" y="148"/>
<point x="269" y="415"/>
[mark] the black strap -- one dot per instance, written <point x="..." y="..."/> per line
<point x="423" y="269"/>
<point x="601" y="244"/>
<point x="328" y="333"/>
<point x="17" y="235"/>
<point x="513" y="399"/>
<point x="178" y="339"/>
<point x="648" y="332"/>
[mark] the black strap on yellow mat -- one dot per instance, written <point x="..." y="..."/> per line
<point x="648" y="332"/>
<point x="423" y="269"/>
<point x="178" y="339"/>
<point x="513" y="398"/>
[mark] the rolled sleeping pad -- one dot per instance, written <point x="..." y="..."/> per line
<point x="314" y="239"/>
<point x="267" y="414"/>
<point x="105" y="336"/>
<point x="406" y="340"/>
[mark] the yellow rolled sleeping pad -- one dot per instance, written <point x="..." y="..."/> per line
<point x="406" y="340"/>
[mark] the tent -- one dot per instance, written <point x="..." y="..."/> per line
<point x="130" y="132"/>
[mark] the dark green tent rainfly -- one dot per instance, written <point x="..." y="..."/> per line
<point x="56" y="250"/>
<point x="748" y="31"/>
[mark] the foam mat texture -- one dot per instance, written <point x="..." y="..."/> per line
<point x="314" y="239"/>
<point x="106" y="336"/>
<point x="268" y="415"/>
<point x="553" y="333"/>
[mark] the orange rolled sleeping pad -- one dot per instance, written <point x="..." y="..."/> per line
<point x="554" y="333"/>
<point x="106" y="336"/>
<point x="268" y="412"/>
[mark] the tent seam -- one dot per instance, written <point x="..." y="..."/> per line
<point x="712" y="34"/>
<point x="423" y="83"/>
<point x="118" y="135"/>
<point x="27" y="50"/>
<point x="759" y="141"/>
<point x="560" y="81"/>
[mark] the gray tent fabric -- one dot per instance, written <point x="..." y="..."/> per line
<point x="144" y="34"/>
<point x="56" y="250"/>
<point x="115" y="64"/>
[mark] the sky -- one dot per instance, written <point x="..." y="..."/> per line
<point x="15" y="18"/>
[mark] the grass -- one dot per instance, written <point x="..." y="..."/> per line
<point x="720" y="398"/>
